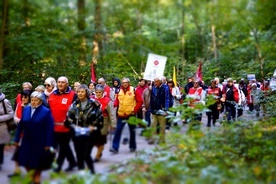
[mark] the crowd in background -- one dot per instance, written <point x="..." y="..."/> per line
<point x="53" y="114"/>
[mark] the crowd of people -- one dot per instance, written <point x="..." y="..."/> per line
<point x="54" y="114"/>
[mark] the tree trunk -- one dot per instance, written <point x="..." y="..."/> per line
<point x="26" y="13"/>
<point x="81" y="27"/>
<point x="97" y="37"/>
<point x="4" y="30"/>
<point x="214" y="43"/>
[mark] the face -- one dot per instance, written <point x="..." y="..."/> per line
<point x="213" y="84"/>
<point x="196" y="84"/>
<point x="229" y="83"/>
<point x="125" y="83"/>
<point x="101" y="82"/>
<point x="99" y="93"/>
<point x="25" y="100"/>
<point x="170" y="84"/>
<point x="76" y="85"/>
<point x="91" y="86"/>
<point x="157" y="82"/>
<point x="142" y="83"/>
<point x="81" y="94"/>
<point x="35" y="102"/>
<point x="115" y="83"/>
<point x="48" y="87"/>
<point x="62" y="85"/>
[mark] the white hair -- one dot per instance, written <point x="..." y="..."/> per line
<point x="37" y="94"/>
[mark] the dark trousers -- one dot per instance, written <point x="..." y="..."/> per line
<point x="240" y="110"/>
<point x="117" y="137"/>
<point x="2" y="146"/>
<point x="231" y="111"/>
<point x="83" y="148"/>
<point x="62" y="143"/>
<point x="213" y="114"/>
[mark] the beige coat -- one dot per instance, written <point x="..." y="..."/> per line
<point x="4" y="134"/>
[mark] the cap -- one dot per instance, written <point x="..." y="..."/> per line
<point x="229" y="80"/>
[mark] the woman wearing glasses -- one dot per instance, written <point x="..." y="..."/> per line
<point x="50" y="85"/>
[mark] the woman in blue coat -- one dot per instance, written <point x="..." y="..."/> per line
<point x="38" y="127"/>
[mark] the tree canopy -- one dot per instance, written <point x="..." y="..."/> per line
<point x="53" y="38"/>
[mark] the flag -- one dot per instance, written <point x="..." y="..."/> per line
<point x="93" y="73"/>
<point x="174" y="77"/>
<point x="199" y="72"/>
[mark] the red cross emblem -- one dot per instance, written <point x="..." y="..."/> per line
<point x="156" y="62"/>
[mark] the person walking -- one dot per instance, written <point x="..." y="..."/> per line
<point x="38" y="127"/>
<point x="26" y="99"/>
<point x="85" y="113"/>
<point x="231" y="95"/>
<point x="216" y="93"/>
<point x="128" y="102"/>
<point x="159" y="105"/>
<point x="109" y="116"/>
<point x="59" y="103"/>
<point x="6" y="113"/>
<point x="197" y="95"/>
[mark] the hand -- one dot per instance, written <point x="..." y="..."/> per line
<point x="16" y="144"/>
<point x="91" y="128"/>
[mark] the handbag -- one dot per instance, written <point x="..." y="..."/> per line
<point x="47" y="159"/>
<point x="10" y="123"/>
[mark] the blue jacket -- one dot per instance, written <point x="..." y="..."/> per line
<point x="160" y="98"/>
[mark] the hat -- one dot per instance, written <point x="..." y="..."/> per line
<point x="229" y="80"/>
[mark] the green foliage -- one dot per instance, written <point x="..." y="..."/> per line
<point x="240" y="153"/>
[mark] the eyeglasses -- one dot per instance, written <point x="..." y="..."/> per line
<point x="47" y="85"/>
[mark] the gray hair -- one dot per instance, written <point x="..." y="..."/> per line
<point x="28" y="83"/>
<point x="99" y="87"/>
<point x="37" y="94"/>
<point x="83" y="86"/>
<point x="63" y="78"/>
<point x="125" y="78"/>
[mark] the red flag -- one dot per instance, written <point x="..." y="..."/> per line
<point x="93" y="73"/>
<point x="199" y="71"/>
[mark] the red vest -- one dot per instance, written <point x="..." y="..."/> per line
<point x="104" y="102"/>
<point x="59" y="105"/>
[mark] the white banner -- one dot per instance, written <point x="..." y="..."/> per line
<point x="155" y="66"/>
<point x="251" y="76"/>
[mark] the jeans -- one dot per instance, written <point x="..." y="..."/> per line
<point x="117" y="137"/>
<point x="148" y="117"/>
<point x="231" y="111"/>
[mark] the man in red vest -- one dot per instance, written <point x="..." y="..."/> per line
<point x="59" y="102"/>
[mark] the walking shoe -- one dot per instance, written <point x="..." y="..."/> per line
<point x="125" y="141"/>
<point x="132" y="150"/>
<point x="113" y="150"/>
<point x="57" y="170"/>
<point x="13" y="175"/>
<point x="70" y="168"/>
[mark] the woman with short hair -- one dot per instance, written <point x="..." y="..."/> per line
<point x="38" y="127"/>
<point x="85" y="115"/>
